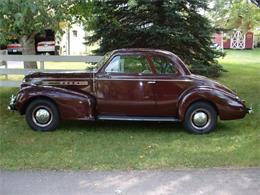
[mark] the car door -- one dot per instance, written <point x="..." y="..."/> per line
<point x="169" y="85"/>
<point x="124" y="86"/>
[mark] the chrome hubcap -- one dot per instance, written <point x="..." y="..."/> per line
<point x="200" y="119"/>
<point x="42" y="116"/>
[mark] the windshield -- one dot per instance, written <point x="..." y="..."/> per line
<point x="103" y="60"/>
<point x="100" y="63"/>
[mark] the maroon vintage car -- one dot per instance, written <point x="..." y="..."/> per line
<point x="128" y="84"/>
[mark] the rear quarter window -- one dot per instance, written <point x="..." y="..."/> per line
<point x="163" y="65"/>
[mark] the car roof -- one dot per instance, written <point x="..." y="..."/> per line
<point x="145" y="50"/>
<point x="152" y="52"/>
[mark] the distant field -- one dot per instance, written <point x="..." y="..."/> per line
<point x="140" y="145"/>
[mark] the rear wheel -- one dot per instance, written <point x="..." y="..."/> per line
<point x="201" y="117"/>
<point x="42" y="115"/>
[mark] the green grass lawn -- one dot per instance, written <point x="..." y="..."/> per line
<point x="140" y="145"/>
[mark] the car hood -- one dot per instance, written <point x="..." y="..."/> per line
<point x="38" y="77"/>
<point x="58" y="75"/>
<point x="204" y="81"/>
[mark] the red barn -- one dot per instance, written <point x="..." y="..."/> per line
<point x="237" y="40"/>
<point x="218" y="39"/>
<point x="249" y="40"/>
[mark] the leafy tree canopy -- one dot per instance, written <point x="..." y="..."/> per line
<point x="175" y="26"/>
<point x="256" y="2"/>
<point x="20" y="18"/>
<point x="235" y="14"/>
<point x="23" y="19"/>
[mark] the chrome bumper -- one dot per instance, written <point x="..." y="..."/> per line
<point x="12" y="102"/>
<point x="250" y="110"/>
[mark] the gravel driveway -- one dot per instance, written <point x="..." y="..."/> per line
<point x="195" y="181"/>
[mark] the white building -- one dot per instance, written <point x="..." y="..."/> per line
<point x="72" y="41"/>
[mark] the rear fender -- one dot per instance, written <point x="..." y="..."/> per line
<point x="226" y="106"/>
<point x="72" y="105"/>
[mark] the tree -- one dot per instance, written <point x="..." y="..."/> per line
<point x="256" y="2"/>
<point x="23" y="19"/>
<point x="235" y="14"/>
<point x="175" y="26"/>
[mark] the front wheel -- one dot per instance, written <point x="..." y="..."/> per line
<point x="42" y="115"/>
<point x="201" y="117"/>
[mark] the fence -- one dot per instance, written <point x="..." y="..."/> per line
<point x="5" y="70"/>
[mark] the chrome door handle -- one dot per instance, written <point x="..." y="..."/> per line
<point x="108" y="76"/>
<point x="151" y="82"/>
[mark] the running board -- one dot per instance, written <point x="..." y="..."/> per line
<point x="136" y="118"/>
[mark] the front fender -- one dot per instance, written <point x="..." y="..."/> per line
<point x="72" y="105"/>
<point x="227" y="105"/>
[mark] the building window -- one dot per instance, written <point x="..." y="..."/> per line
<point x="75" y="33"/>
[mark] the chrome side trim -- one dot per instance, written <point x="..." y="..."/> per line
<point x="152" y="79"/>
<point x="137" y="118"/>
<point x="75" y="82"/>
<point x="67" y="79"/>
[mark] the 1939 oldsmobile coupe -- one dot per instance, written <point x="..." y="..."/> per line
<point x="128" y="84"/>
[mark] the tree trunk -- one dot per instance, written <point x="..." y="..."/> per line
<point x="28" y="45"/>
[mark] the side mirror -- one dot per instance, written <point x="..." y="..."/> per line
<point x="104" y="75"/>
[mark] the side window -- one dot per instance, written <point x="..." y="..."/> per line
<point x="163" y="65"/>
<point x="129" y="64"/>
<point x="114" y="65"/>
